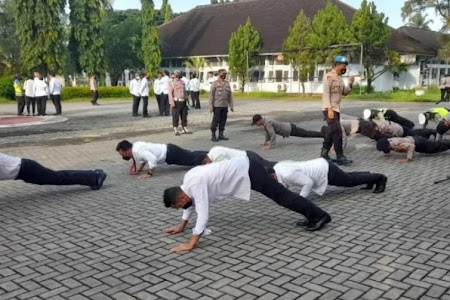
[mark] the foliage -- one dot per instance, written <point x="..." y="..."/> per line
<point x="441" y="8"/>
<point x="77" y="92"/>
<point x="196" y="63"/>
<point x="40" y="32"/>
<point x="419" y="20"/>
<point x="295" y="47"/>
<point x="243" y="50"/>
<point x="214" y="1"/>
<point x="9" y="45"/>
<point x="329" y="28"/>
<point x="6" y="87"/>
<point x="151" y="50"/>
<point x="166" y="11"/>
<point x="122" y="33"/>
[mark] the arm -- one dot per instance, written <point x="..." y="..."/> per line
<point x="51" y="86"/>
<point x="348" y="89"/>
<point x="142" y="87"/>
<point x="231" y="99"/>
<point x="211" y="98"/>
<point x="170" y="90"/>
<point x="298" y="178"/>
<point x="410" y="148"/>
<point x="271" y="133"/>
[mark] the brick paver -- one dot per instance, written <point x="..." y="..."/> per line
<point x="74" y="243"/>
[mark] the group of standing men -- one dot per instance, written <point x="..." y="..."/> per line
<point x="34" y="93"/>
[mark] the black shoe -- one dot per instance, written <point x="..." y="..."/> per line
<point x="136" y="115"/>
<point x="146" y="116"/>
<point x="342" y="160"/>
<point x="20" y="115"/>
<point x="303" y="223"/>
<point x="101" y="176"/>
<point x="319" y="224"/>
<point x="214" y="137"/>
<point x="380" y="186"/>
<point x="177" y="133"/>
<point x="57" y="114"/>
<point x="324" y="154"/>
<point x="222" y="137"/>
<point x="369" y="186"/>
<point x="93" y="102"/>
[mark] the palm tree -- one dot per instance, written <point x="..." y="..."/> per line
<point x="420" y="21"/>
<point x="196" y="63"/>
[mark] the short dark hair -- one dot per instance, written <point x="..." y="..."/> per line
<point x="210" y="72"/>
<point x="194" y="75"/>
<point x="256" y="118"/>
<point x="124" y="145"/>
<point x="383" y="145"/>
<point x="166" y="72"/>
<point x="171" y="195"/>
<point x="270" y="170"/>
<point x="159" y="73"/>
<point x="221" y="70"/>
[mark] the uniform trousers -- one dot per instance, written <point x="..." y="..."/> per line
<point x="333" y="134"/>
<point x="164" y="107"/>
<point x="33" y="172"/>
<point x="160" y="108"/>
<point x="444" y="95"/>
<point x="41" y="105"/>
<point x="144" y="105"/>
<point x="337" y="177"/>
<point x="20" y="104"/>
<point x="180" y="111"/>
<point x="425" y="133"/>
<point x="136" y="102"/>
<point x="299" y="132"/>
<point x="30" y="101"/>
<point x="56" y="99"/>
<point x="219" y="118"/>
<point x="271" y="188"/>
<point x="427" y="146"/>
<point x="195" y="96"/>
<point x="255" y="156"/>
<point x="182" y="157"/>
<point x="391" y="115"/>
<point x="94" y="97"/>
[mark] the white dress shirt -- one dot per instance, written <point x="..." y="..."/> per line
<point x="194" y="85"/>
<point x="135" y="86"/>
<point x="186" y="83"/>
<point x="164" y="85"/>
<point x="150" y="153"/>
<point x="157" y="86"/>
<point x="220" y="153"/>
<point x="55" y="86"/>
<point x="29" y="88"/>
<point x="144" y="88"/>
<point x="40" y="88"/>
<point x="311" y="174"/>
<point x="9" y="166"/>
<point x="215" y="182"/>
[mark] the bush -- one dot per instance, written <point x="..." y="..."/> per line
<point x="7" y="87"/>
<point x="77" y="92"/>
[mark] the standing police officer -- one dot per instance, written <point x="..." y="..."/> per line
<point x="221" y="98"/>
<point x="333" y="89"/>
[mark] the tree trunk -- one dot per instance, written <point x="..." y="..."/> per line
<point x="303" y="88"/>
<point x="243" y="86"/>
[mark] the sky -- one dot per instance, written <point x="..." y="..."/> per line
<point x="391" y="8"/>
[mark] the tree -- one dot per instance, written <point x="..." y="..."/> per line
<point x="393" y="64"/>
<point x="420" y="20"/>
<point x="166" y="11"/>
<point x="441" y="8"/>
<point x="151" y="50"/>
<point x="122" y="32"/>
<point x="9" y="45"/>
<point x="295" y="48"/>
<point x="40" y="32"/>
<point x="214" y="1"/>
<point x="329" y="29"/>
<point x="196" y="63"/>
<point x="243" y="49"/>
<point x="370" y="28"/>
<point x="86" y="18"/>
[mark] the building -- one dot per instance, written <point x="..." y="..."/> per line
<point x="205" y="31"/>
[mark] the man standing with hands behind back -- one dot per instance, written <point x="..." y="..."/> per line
<point x="333" y="89"/>
<point x="221" y="98"/>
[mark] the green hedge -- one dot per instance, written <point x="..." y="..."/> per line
<point x="77" y="92"/>
<point x="7" y="87"/>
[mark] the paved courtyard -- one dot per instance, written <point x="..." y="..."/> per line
<point x="74" y="243"/>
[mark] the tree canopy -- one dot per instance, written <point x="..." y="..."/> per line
<point x="151" y="51"/>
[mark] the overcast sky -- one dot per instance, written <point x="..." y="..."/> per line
<point x="391" y="8"/>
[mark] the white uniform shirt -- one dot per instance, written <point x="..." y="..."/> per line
<point x="164" y="85"/>
<point x="9" y="166"/>
<point x="194" y="85"/>
<point x="157" y="86"/>
<point x="311" y="174"/>
<point x="55" y="86"/>
<point x="150" y="153"/>
<point x="29" y="88"/>
<point x="40" y="88"/>
<point x="186" y="83"/>
<point x="215" y="182"/>
<point x="144" y="88"/>
<point x="220" y="153"/>
<point x="135" y="86"/>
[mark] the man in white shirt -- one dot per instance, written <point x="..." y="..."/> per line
<point x="93" y="86"/>
<point x="194" y="86"/>
<point x="157" y="91"/>
<point x="211" y="78"/>
<point x="144" y="92"/>
<point x="219" y="153"/>
<point x="187" y="86"/>
<point x="232" y="178"/>
<point x="41" y="93"/>
<point x="55" y="93"/>
<point x="164" y="88"/>
<point x="154" y="154"/>
<point x="135" y="86"/>
<point x="315" y="175"/>
<point x="15" y="168"/>
<point x="29" y="96"/>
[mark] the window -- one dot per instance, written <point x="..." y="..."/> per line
<point x="233" y="78"/>
<point x="262" y="61"/>
<point x="279" y="76"/>
<point x="165" y="63"/>
<point x="321" y="73"/>
<point x="200" y="77"/>
<point x="286" y="76"/>
<point x="433" y="73"/>
<point x="271" y="78"/>
<point x="175" y="63"/>
<point x="255" y="76"/>
<point x="261" y="76"/>
<point x="311" y="75"/>
<point x="295" y="76"/>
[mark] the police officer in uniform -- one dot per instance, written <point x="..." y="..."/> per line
<point x="221" y="98"/>
<point x="333" y="89"/>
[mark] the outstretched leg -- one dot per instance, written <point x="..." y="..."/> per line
<point x="337" y="177"/>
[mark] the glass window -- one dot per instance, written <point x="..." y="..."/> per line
<point x="270" y="60"/>
<point x="271" y="78"/>
<point x="255" y="76"/>
<point x="311" y="75"/>
<point x="321" y="73"/>
<point x="295" y="76"/>
<point x="261" y="76"/>
<point x="279" y="76"/>
<point x="286" y="76"/>
<point x="433" y="73"/>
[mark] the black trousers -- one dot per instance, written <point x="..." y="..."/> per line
<point x="263" y="183"/>
<point x="144" y="105"/>
<point x="195" y="96"/>
<point x="160" y="108"/>
<point x="443" y="94"/>
<point x="337" y="177"/>
<point x="41" y="105"/>
<point x="427" y="146"/>
<point x="333" y="134"/>
<point x="56" y="99"/>
<point x="33" y="172"/>
<point x="219" y="118"/>
<point x="30" y="101"/>
<point x="295" y="131"/>
<point x="20" y="104"/>
<point x="94" y="96"/>
<point x="165" y="104"/>
<point x="136" y="102"/>
<point x="425" y="133"/>
<point x="180" y="111"/>
<point x="256" y="157"/>
<point x="182" y="157"/>
<point x="367" y="128"/>
<point x="447" y="95"/>
<point x="391" y="115"/>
